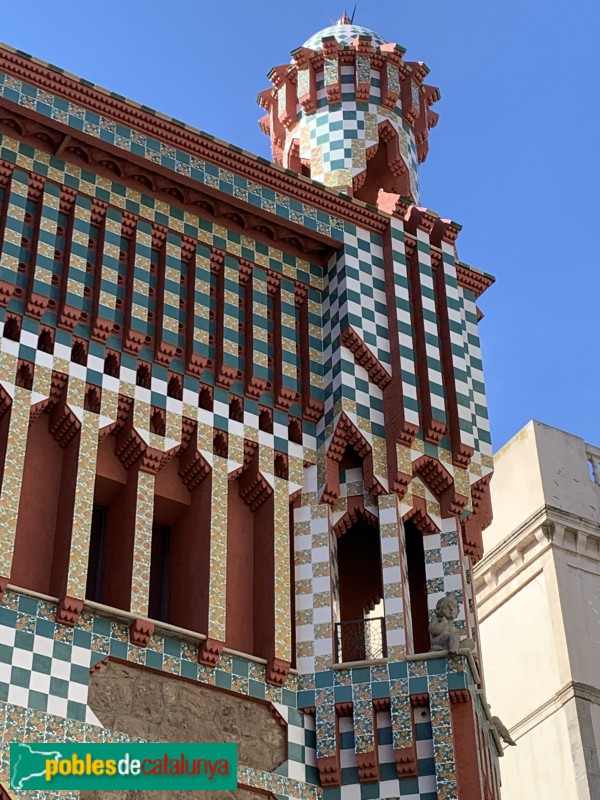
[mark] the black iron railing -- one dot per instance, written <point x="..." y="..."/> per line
<point x="360" y="640"/>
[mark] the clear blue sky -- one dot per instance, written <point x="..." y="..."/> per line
<point x="515" y="157"/>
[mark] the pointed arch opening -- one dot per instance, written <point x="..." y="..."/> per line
<point x="360" y="632"/>
<point x="417" y="587"/>
<point x="180" y="555"/>
<point x="110" y="559"/>
<point x="45" y="517"/>
<point x="251" y="563"/>
<point x="385" y="169"/>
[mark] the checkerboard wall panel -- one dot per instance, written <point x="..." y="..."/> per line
<point x="458" y="344"/>
<point x="259" y="310"/>
<point x="15" y="225"/>
<point x="44" y="667"/>
<point x="315" y="344"/>
<point x="479" y="404"/>
<point x="314" y="644"/>
<point x="430" y="322"/>
<point x="123" y="198"/>
<point x="46" y="244"/>
<point x="79" y="251"/>
<point x="443" y="568"/>
<point x="403" y="324"/>
<point x="117" y="294"/>
<point x="173" y="298"/>
<point x="335" y="140"/>
<point x="393" y="576"/>
<point x="142" y="280"/>
<point x="289" y="338"/>
<point x="358" y="286"/>
<point x="200" y="283"/>
<point x="109" y="279"/>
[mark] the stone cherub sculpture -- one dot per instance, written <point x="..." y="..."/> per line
<point x="444" y="633"/>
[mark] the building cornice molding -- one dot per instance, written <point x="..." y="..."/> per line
<point x="573" y="690"/>
<point x="139" y="174"/>
<point x="178" y="134"/>
<point x="473" y="279"/>
<point x="548" y="517"/>
<point x="547" y="529"/>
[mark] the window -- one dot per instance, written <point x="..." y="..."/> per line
<point x="158" y="602"/>
<point x="96" y="553"/>
<point x="417" y="582"/>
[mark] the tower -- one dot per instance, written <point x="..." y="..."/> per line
<point x="350" y="112"/>
<point x="244" y="445"/>
<point x="403" y="448"/>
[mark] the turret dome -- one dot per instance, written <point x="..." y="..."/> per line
<point x="345" y="33"/>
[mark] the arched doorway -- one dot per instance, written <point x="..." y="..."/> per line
<point x="360" y="633"/>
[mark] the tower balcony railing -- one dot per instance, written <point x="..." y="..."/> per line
<point x="360" y="640"/>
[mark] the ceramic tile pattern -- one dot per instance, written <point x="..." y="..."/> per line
<point x="44" y="674"/>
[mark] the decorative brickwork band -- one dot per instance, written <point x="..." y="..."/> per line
<point x="406" y="762"/>
<point x="68" y="611"/>
<point x="329" y="771"/>
<point x="140" y="632"/>
<point x="368" y="767"/>
<point x="209" y="652"/>
<point x="277" y="671"/>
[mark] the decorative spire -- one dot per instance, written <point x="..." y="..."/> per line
<point x="345" y="19"/>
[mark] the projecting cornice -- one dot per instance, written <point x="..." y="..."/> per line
<point x="571" y="691"/>
<point x="107" y="160"/>
<point x="315" y="244"/>
<point x="178" y="134"/>
<point x="548" y="528"/>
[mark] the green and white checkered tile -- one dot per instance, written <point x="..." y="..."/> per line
<point x="40" y="672"/>
<point x="422" y="787"/>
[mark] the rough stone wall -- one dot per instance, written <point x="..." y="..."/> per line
<point x="148" y="705"/>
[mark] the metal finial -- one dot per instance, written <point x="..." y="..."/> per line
<point x="344" y="19"/>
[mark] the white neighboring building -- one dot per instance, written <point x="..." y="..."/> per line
<point x="538" y="590"/>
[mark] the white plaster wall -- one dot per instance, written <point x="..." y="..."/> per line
<point x="516" y="486"/>
<point x="579" y="588"/>
<point x="595" y="713"/>
<point x="540" y="766"/>
<point x="541" y="631"/>
<point x="565" y="473"/>
<point x="540" y="466"/>
<point x="519" y="654"/>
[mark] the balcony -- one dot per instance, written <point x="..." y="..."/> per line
<point x="360" y="640"/>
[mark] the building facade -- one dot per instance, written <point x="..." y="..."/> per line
<point x="540" y="580"/>
<point x="244" y="438"/>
